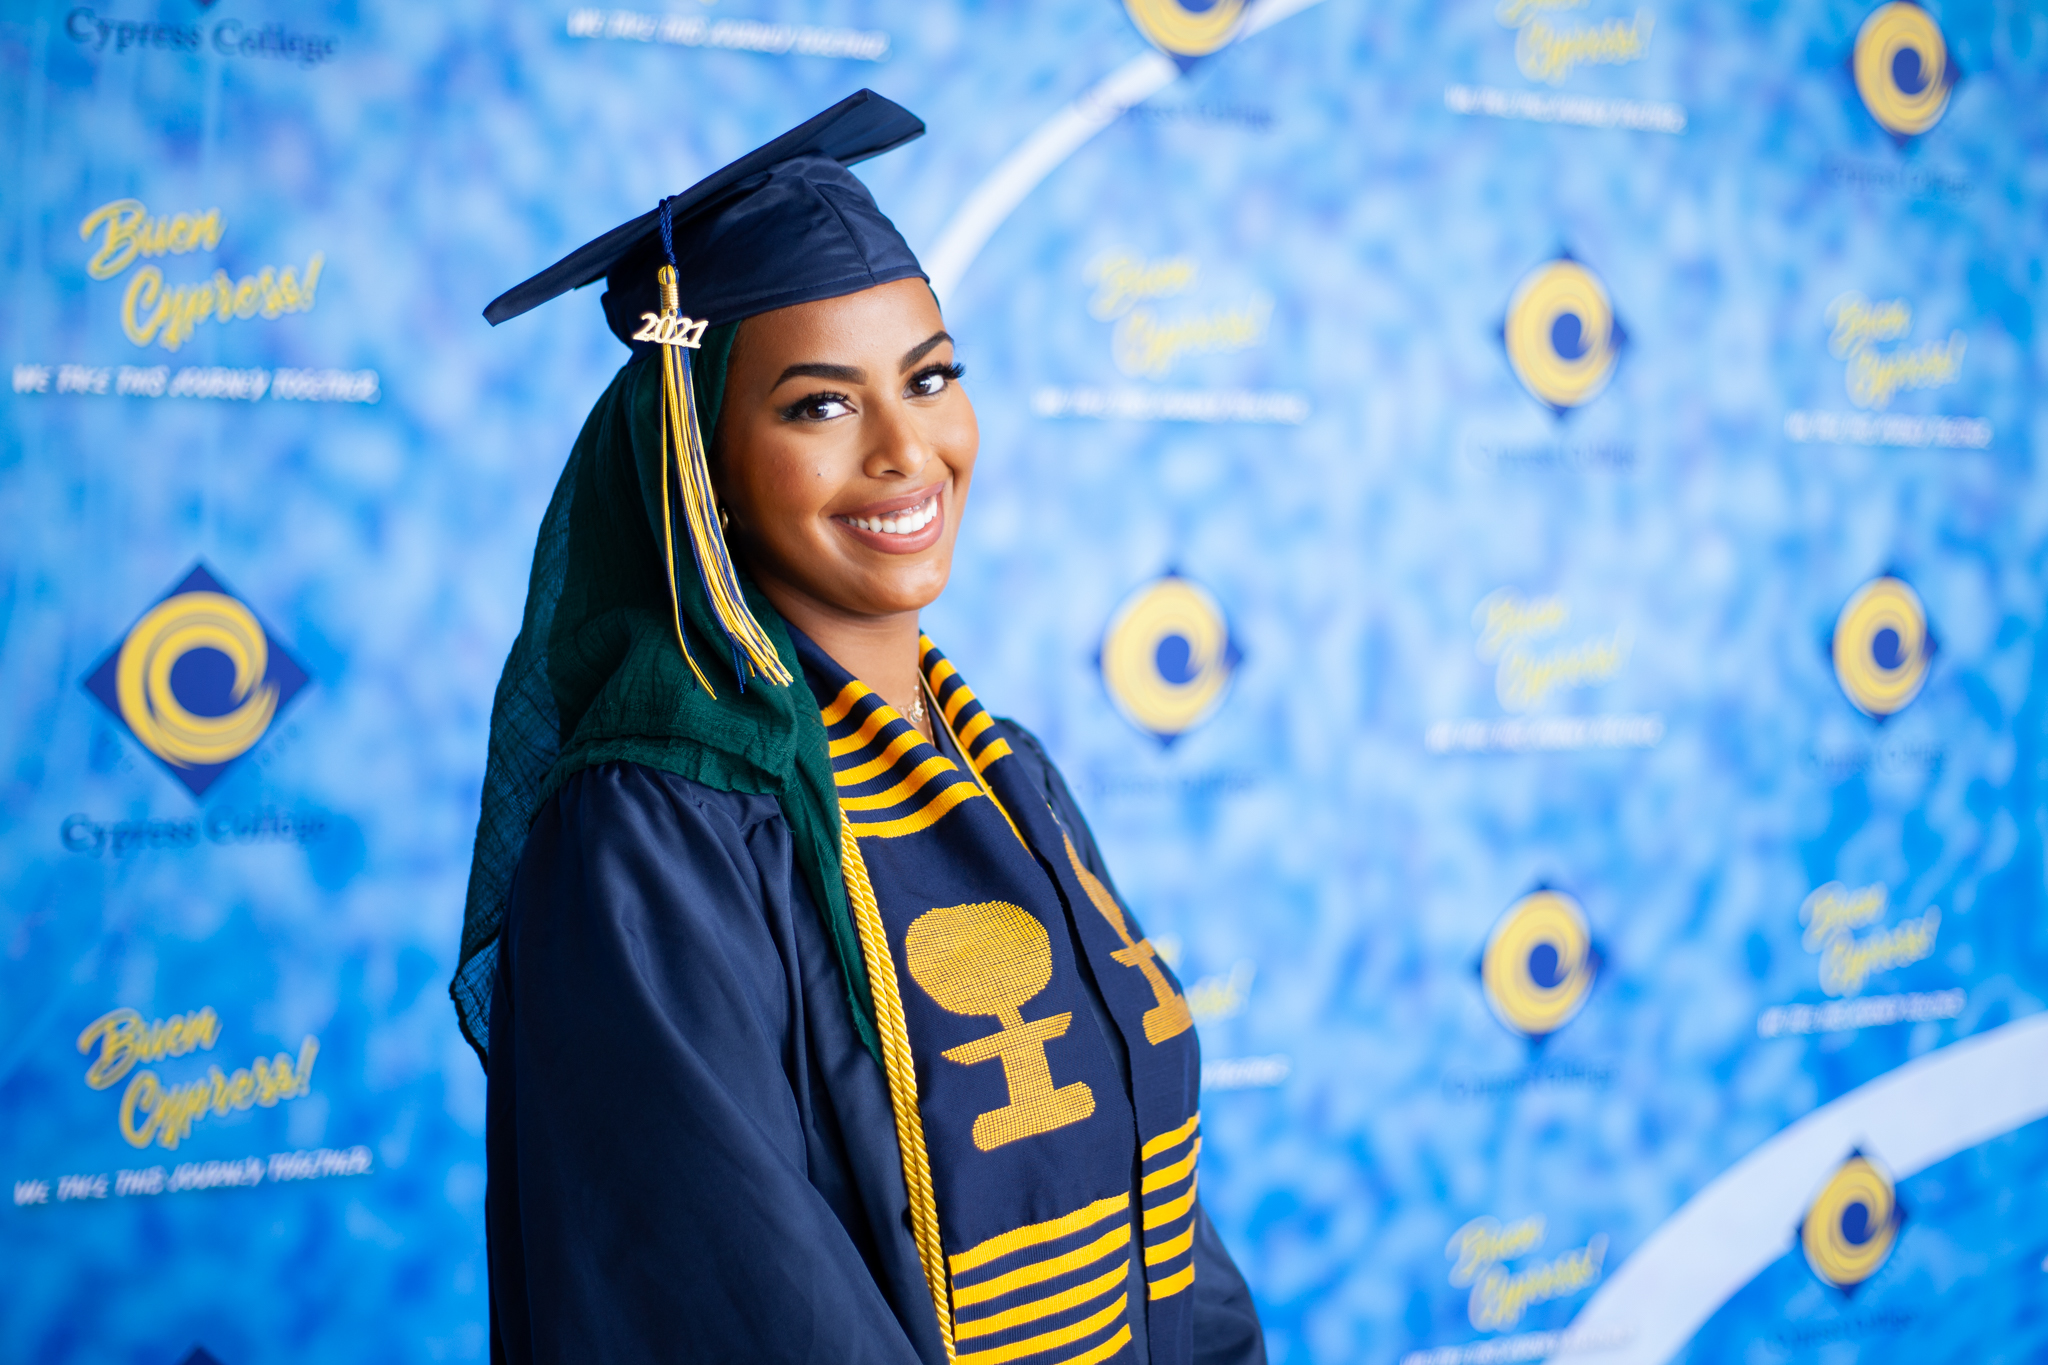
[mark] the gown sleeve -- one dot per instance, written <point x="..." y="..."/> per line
<point x="656" y="1191"/>
<point x="1226" y="1322"/>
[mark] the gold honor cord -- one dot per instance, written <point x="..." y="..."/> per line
<point x="753" y="652"/>
<point x="917" y="1166"/>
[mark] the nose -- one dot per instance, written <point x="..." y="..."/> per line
<point x="897" y="448"/>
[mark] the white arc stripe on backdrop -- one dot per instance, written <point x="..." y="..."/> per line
<point x="1945" y="1102"/>
<point x="1059" y="137"/>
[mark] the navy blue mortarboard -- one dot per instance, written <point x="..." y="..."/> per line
<point x="785" y="224"/>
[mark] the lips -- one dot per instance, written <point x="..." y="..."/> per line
<point x="912" y="523"/>
<point x="908" y="522"/>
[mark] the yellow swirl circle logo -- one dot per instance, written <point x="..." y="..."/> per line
<point x="1902" y="68"/>
<point x="1167" y="657"/>
<point x="1561" y="335"/>
<point x="1882" y="647"/>
<point x="1539" y="964"/>
<point x="1186" y="30"/>
<point x="1851" y="1226"/>
<point x="171" y="630"/>
<point x="198" y="680"/>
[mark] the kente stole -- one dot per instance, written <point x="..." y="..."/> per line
<point x="1019" y="1143"/>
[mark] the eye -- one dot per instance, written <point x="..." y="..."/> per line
<point x="933" y="380"/>
<point x="817" y="407"/>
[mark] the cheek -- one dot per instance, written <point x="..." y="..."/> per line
<point x="959" y="440"/>
<point x="784" y="488"/>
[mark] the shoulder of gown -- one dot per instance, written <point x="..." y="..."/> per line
<point x="1226" y="1322"/>
<point x="691" y="1153"/>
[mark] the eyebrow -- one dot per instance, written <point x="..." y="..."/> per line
<point x="854" y="374"/>
<point x="924" y="348"/>
<point x="847" y="374"/>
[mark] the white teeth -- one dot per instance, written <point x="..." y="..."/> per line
<point x="905" y="523"/>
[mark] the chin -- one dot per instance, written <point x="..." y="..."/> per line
<point x="899" y="593"/>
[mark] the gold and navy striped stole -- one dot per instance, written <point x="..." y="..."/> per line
<point x="891" y="782"/>
<point x="1167" y="1193"/>
<point x="1052" y="1292"/>
<point x="1061" y="1290"/>
<point x="965" y="718"/>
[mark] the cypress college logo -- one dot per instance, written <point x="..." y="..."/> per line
<point x="1167" y="657"/>
<point x="198" y="680"/>
<point x="1562" y="338"/>
<point x="1882" y="647"/>
<point x="1186" y="28"/>
<point x="1853" y="1223"/>
<point x="1539" y="964"/>
<point x="1902" y="69"/>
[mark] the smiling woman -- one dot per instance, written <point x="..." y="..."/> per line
<point x="815" y="1027"/>
<point x="844" y="477"/>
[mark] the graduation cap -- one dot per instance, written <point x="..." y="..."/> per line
<point x="785" y="224"/>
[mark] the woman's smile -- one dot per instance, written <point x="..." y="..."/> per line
<point x="900" y="525"/>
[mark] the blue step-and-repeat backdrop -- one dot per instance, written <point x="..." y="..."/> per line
<point x="1520" y="520"/>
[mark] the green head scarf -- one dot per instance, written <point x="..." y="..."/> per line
<point x="596" y="677"/>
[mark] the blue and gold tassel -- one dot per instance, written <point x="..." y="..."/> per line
<point x="753" y="654"/>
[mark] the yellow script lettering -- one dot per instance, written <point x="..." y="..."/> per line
<point x="1485" y="1242"/>
<point x="1874" y="377"/>
<point x="1499" y="1300"/>
<point x="1857" y="322"/>
<point x="1525" y="680"/>
<point x="127" y="231"/>
<point x="1849" y="962"/>
<point x="169" y="1111"/>
<point x="1144" y="345"/>
<point x="143" y="295"/>
<point x="125" y="1040"/>
<point x="1503" y="618"/>
<point x="1548" y="54"/>
<point x="1835" y="909"/>
<point x="168" y="314"/>
<point x="143" y="1093"/>
<point x="1122" y="280"/>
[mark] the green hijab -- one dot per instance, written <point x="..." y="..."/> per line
<point x="595" y="677"/>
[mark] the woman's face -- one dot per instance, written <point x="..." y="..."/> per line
<point x="845" y="449"/>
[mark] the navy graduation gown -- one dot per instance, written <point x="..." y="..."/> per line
<point x="692" y="1156"/>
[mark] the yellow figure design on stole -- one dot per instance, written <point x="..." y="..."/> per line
<point x="992" y="958"/>
<point x="1167" y="1019"/>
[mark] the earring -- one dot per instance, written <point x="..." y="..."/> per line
<point x="724" y="520"/>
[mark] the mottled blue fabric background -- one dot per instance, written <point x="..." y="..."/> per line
<point x="1321" y="228"/>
